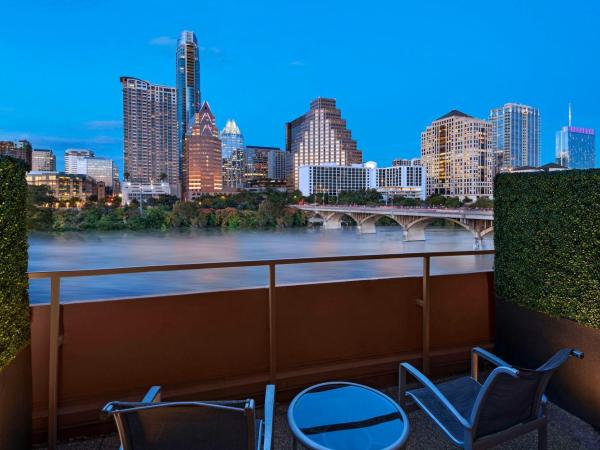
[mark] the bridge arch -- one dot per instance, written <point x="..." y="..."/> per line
<point x="488" y="230"/>
<point x="415" y="229"/>
<point x="413" y="221"/>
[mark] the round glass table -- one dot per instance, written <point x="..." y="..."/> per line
<point x="347" y="416"/>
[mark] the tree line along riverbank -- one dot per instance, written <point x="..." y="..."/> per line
<point x="244" y="210"/>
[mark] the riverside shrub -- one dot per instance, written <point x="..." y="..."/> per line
<point x="547" y="240"/>
<point x="14" y="299"/>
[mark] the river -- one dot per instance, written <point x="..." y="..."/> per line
<point x="92" y="250"/>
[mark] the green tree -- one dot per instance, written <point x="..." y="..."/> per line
<point x="39" y="208"/>
<point x="435" y="200"/>
<point x="185" y="215"/>
<point x="483" y="202"/>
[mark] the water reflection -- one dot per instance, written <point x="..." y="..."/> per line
<point x="67" y="251"/>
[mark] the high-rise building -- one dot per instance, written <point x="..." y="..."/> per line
<point x="575" y="146"/>
<point x="187" y="78"/>
<point x="320" y="136"/>
<point x="116" y="181"/>
<point x="458" y="157"/>
<point x="17" y="149"/>
<point x="150" y="133"/>
<point x="233" y="152"/>
<point x="516" y="133"/>
<point x="202" y="156"/>
<point x="257" y="163"/>
<point x="277" y="164"/>
<point x="101" y="170"/>
<point x="75" y="160"/>
<point x="43" y="160"/>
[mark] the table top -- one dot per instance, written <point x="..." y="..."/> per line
<point x="347" y="416"/>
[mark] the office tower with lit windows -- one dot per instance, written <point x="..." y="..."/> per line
<point x="457" y="155"/>
<point x="187" y="80"/>
<point x="150" y="133"/>
<point x="75" y="160"/>
<point x="202" y="156"/>
<point x="516" y="134"/>
<point x="276" y="163"/>
<point x="233" y="152"/>
<point x="43" y="160"/>
<point x="101" y="170"/>
<point x="17" y="149"/>
<point x="318" y="137"/>
<point x="257" y="163"/>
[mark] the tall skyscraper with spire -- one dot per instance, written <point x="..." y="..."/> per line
<point x="576" y="146"/>
<point x="187" y="85"/>
<point x="202" y="156"/>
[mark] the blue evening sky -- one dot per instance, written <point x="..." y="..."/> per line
<point x="393" y="66"/>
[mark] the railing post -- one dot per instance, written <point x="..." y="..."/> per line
<point x="426" y="309"/>
<point x="53" y="361"/>
<point x="272" y="326"/>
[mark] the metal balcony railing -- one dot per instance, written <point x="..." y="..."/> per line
<point x="55" y="300"/>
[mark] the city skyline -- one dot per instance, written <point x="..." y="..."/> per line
<point x="245" y="73"/>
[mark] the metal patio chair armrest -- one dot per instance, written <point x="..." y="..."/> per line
<point x="269" y="414"/>
<point x="153" y="395"/>
<point x="421" y="378"/>
<point x="476" y="352"/>
<point x="576" y="354"/>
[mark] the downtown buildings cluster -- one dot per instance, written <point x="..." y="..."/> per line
<point x="172" y="146"/>
<point x="85" y="176"/>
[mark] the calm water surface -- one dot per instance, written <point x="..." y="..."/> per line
<point x="92" y="250"/>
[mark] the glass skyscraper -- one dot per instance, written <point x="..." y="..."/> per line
<point x="516" y="135"/>
<point x="233" y="152"/>
<point x="576" y="147"/>
<point x="187" y="85"/>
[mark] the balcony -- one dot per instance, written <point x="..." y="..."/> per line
<point x="229" y="344"/>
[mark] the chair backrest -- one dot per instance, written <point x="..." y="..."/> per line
<point x="186" y="425"/>
<point x="511" y="396"/>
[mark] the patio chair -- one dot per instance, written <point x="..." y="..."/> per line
<point x="510" y="402"/>
<point x="216" y="425"/>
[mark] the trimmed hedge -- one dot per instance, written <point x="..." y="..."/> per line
<point x="14" y="298"/>
<point x="547" y="240"/>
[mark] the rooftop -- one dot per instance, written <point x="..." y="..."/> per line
<point x="454" y="113"/>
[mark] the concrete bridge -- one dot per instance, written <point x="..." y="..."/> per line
<point x="412" y="220"/>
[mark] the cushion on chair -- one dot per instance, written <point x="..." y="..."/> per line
<point x="461" y="393"/>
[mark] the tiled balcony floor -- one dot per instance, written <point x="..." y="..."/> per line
<point x="565" y="432"/>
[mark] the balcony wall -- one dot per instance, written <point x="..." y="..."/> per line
<point x="216" y="344"/>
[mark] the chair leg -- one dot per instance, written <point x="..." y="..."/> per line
<point x="543" y="438"/>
